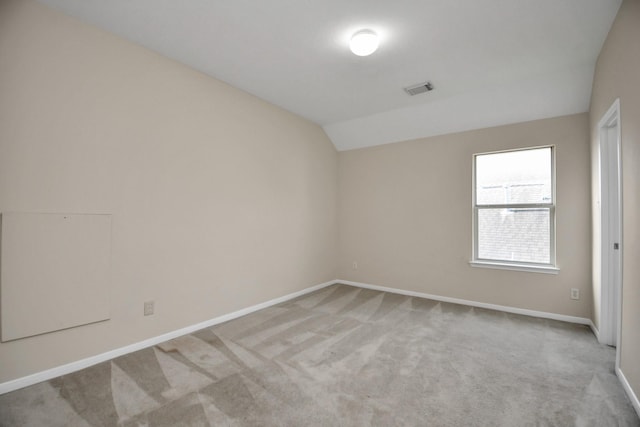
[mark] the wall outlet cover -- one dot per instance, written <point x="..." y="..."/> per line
<point x="575" y="293"/>
<point x="148" y="308"/>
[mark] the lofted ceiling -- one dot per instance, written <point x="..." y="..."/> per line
<point x="492" y="62"/>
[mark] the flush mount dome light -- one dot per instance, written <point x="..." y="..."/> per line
<point x="364" y="43"/>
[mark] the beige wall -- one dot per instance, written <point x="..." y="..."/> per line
<point x="405" y="216"/>
<point x="219" y="200"/>
<point x="618" y="76"/>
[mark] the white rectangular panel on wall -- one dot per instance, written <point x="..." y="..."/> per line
<point x="54" y="272"/>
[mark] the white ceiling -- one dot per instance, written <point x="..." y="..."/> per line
<point x="492" y="62"/>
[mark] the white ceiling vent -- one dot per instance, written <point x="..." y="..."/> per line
<point x="419" y="88"/>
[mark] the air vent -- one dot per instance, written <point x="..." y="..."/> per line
<point x="419" y="88"/>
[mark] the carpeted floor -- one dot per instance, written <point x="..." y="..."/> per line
<point x="345" y="356"/>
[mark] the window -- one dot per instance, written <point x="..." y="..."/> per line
<point x="514" y="209"/>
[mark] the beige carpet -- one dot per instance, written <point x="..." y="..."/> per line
<point x="344" y="356"/>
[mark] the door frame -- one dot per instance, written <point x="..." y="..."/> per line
<point x="610" y="227"/>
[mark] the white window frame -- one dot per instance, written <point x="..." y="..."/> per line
<point x="551" y="267"/>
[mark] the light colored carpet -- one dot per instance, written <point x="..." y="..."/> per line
<point x="344" y="356"/>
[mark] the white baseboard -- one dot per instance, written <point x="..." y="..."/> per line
<point x="48" y="374"/>
<point x="627" y="388"/>
<point x="93" y="360"/>
<point x="594" y="330"/>
<point x="514" y="310"/>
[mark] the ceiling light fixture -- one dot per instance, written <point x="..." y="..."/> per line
<point x="364" y="42"/>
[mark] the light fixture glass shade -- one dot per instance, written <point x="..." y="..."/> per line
<point x="364" y="43"/>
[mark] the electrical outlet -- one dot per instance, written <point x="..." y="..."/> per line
<point x="575" y="293"/>
<point x="354" y="265"/>
<point x="148" y="308"/>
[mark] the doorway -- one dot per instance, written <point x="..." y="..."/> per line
<point x="611" y="226"/>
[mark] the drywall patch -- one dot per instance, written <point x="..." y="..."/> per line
<point x="54" y="272"/>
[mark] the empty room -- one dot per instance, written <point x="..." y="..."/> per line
<point x="306" y="213"/>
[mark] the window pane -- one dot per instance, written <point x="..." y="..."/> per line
<point x="514" y="177"/>
<point x="521" y="235"/>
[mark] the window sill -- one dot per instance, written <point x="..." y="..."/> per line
<point x="516" y="267"/>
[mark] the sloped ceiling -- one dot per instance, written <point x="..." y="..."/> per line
<point x="492" y="62"/>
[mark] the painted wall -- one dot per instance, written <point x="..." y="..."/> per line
<point x="219" y="200"/>
<point x="405" y="217"/>
<point x="618" y="76"/>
